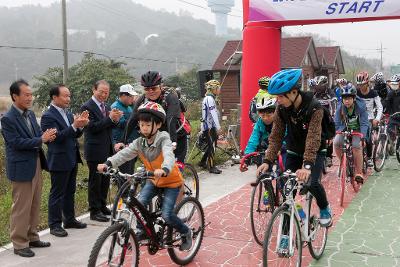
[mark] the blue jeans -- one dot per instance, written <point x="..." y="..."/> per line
<point x="168" y="203"/>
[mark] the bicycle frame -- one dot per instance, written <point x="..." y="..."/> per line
<point x="294" y="214"/>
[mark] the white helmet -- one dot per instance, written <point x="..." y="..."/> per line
<point x="377" y="78"/>
<point x="266" y="102"/>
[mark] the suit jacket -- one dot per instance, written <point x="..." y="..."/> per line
<point x="98" y="133"/>
<point x="22" y="147"/>
<point x="63" y="153"/>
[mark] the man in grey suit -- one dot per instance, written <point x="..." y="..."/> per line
<point x="25" y="161"/>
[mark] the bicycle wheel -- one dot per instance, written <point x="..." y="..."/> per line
<point x="260" y="211"/>
<point x="318" y="235"/>
<point x="281" y="217"/>
<point x="190" y="211"/>
<point x="379" y="153"/>
<point x="398" y="149"/>
<point x="342" y="177"/>
<point x="191" y="181"/>
<point x="115" y="247"/>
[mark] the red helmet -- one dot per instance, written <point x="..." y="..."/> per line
<point x="362" y="78"/>
<point x="154" y="109"/>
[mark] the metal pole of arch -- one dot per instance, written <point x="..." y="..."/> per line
<point x="65" y="43"/>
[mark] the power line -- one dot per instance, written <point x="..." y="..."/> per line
<point x="101" y="54"/>
<point x="118" y="12"/>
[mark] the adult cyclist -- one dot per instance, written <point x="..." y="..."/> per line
<point x="320" y="87"/>
<point x="305" y="141"/>
<point x="393" y="105"/>
<point x="374" y="108"/>
<point x="378" y="83"/>
<point x="152" y="81"/>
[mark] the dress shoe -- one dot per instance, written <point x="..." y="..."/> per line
<point x="106" y="211"/>
<point x="24" y="252"/>
<point x="100" y="217"/>
<point x="215" y="170"/>
<point x="39" y="244"/>
<point x="75" y="224"/>
<point x="58" y="231"/>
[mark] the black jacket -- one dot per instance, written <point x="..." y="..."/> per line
<point x="98" y="135"/>
<point x="172" y="107"/>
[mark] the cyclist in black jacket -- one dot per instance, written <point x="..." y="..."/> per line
<point x="154" y="91"/>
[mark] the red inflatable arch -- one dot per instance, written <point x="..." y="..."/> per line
<point x="262" y="46"/>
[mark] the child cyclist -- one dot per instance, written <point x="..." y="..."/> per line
<point x="258" y="140"/>
<point x="351" y="113"/>
<point x="154" y="148"/>
<point x="263" y="82"/>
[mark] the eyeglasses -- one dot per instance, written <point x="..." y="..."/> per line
<point x="154" y="88"/>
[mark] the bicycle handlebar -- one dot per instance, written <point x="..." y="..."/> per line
<point x="139" y="175"/>
<point x="243" y="165"/>
<point x="351" y="133"/>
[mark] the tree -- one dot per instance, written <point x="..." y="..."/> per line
<point x="188" y="82"/>
<point x="82" y="76"/>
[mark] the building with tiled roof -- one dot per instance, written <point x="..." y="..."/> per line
<point x="296" y="52"/>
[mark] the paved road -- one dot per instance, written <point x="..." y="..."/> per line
<point x="366" y="233"/>
<point x="73" y="251"/>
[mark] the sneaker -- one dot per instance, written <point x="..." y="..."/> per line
<point x="359" y="179"/>
<point x="370" y="163"/>
<point x="283" y="248"/>
<point x="215" y="170"/>
<point x="325" y="217"/>
<point x="186" y="240"/>
<point x="328" y="162"/>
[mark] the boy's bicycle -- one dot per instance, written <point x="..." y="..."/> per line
<point x="291" y="227"/>
<point x="347" y="168"/>
<point x="190" y="187"/>
<point x="118" y="245"/>
<point x="265" y="196"/>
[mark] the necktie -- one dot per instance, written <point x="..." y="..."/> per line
<point x="28" y="122"/>
<point x="65" y="116"/>
<point x="103" y="109"/>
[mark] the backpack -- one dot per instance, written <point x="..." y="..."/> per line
<point x="328" y="124"/>
<point x="184" y="124"/>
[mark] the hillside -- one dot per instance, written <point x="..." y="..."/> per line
<point x="114" y="29"/>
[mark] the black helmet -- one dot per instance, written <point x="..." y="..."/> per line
<point x="151" y="78"/>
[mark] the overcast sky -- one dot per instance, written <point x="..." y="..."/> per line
<point x="361" y="39"/>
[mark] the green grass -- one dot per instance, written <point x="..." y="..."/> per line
<point x="81" y="204"/>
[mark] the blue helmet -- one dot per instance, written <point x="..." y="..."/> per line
<point x="348" y="90"/>
<point x="284" y="81"/>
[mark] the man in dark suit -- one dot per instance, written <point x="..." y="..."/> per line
<point x="63" y="157"/>
<point x="98" y="147"/>
<point x="25" y="161"/>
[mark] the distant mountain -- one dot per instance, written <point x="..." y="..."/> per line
<point x="114" y="28"/>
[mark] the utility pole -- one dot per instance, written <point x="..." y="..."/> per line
<point x="65" y="44"/>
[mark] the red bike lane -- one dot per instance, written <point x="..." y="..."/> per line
<point x="228" y="240"/>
